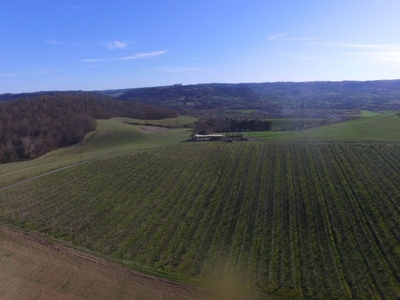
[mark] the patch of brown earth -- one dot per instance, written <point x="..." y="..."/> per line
<point x="31" y="267"/>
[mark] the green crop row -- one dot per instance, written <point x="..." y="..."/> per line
<point x="301" y="220"/>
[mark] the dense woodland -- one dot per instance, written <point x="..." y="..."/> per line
<point x="211" y="125"/>
<point x="33" y="127"/>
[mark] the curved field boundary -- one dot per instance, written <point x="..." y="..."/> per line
<point x="33" y="267"/>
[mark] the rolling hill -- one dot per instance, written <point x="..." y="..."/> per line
<point x="384" y="127"/>
<point x="293" y="218"/>
<point x="112" y="137"/>
<point x="285" y="219"/>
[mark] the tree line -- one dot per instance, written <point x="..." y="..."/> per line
<point x="211" y="125"/>
<point x="32" y="127"/>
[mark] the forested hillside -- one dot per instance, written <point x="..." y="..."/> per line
<point x="33" y="127"/>
<point x="200" y="99"/>
<point x="321" y="99"/>
<point x="370" y="95"/>
<point x="275" y="99"/>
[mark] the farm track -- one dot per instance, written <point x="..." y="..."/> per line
<point x="38" y="176"/>
<point x="301" y="220"/>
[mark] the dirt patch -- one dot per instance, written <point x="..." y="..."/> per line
<point x="31" y="267"/>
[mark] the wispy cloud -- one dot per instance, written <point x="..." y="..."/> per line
<point x="143" y="55"/>
<point x="386" y="47"/>
<point x="55" y="42"/>
<point x="76" y="7"/>
<point x="110" y="45"/>
<point x="276" y="36"/>
<point x="388" y="57"/>
<point x="371" y="52"/>
<point x="117" y="45"/>
<point x="67" y="43"/>
<point x="136" y="56"/>
<point x="383" y="53"/>
<point x="392" y="57"/>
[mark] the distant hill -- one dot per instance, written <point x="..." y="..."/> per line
<point x="369" y="95"/>
<point x="274" y="97"/>
<point x="9" y="96"/>
<point x="277" y="99"/>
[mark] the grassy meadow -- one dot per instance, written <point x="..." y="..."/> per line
<point x="288" y="124"/>
<point x="112" y="137"/>
<point x="385" y="127"/>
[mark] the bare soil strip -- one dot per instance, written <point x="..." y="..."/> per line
<point x="34" y="268"/>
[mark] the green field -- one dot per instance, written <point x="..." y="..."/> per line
<point x="168" y="122"/>
<point x="315" y="217"/>
<point x="382" y="127"/>
<point x="112" y="137"/>
<point x="288" y="124"/>
<point x="367" y="113"/>
<point x="317" y="220"/>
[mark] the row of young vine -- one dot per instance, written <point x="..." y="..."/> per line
<point x="306" y="220"/>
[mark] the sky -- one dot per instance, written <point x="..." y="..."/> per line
<point x="96" y="45"/>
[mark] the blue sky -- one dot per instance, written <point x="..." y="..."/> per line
<point x="95" y="45"/>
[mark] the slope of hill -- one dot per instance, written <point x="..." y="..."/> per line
<point x="112" y="137"/>
<point x="384" y="127"/>
<point x="117" y="137"/>
<point x="301" y="220"/>
<point x="32" y="127"/>
<point x="305" y="219"/>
